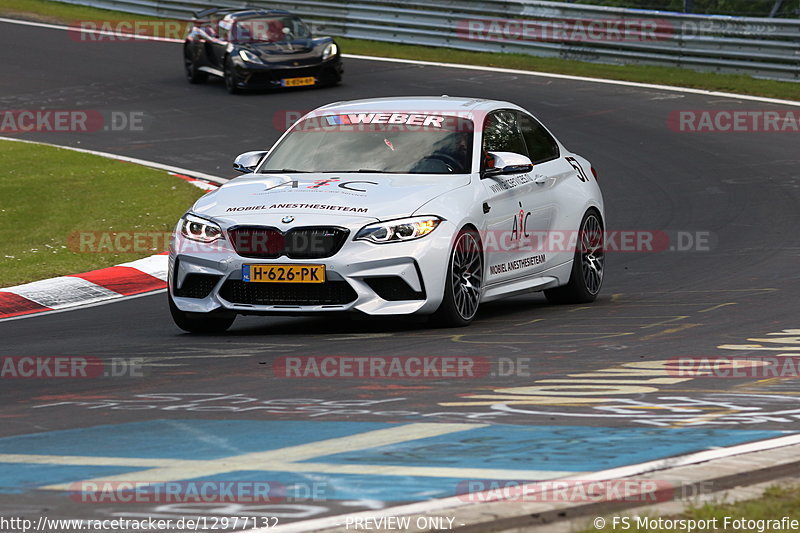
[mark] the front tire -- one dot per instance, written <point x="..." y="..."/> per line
<point x="464" y="283"/>
<point x="588" y="265"/>
<point x="196" y="323"/>
<point x="193" y="75"/>
<point x="229" y="76"/>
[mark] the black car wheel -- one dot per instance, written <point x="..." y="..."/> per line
<point x="200" y="322"/>
<point x="192" y="74"/>
<point x="586" y="276"/>
<point x="462" y="293"/>
<point x="230" y="77"/>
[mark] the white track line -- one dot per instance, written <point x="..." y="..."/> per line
<point x="86" y="30"/>
<point x="143" y="162"/>
<point x="671" y="88"/>
<point x="583" y="78"/>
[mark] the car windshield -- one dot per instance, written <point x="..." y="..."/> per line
<point x="400" y="143"/>
<point x="270" y="30"/>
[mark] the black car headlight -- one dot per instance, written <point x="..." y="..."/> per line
<point x="199" y="229"/>
<point x="249" y="57"/>
<point x="331" y="50"/>
<point x="405" y="229"/>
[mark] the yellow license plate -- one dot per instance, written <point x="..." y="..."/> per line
<point x="298" y="82"/>
<point x="284" y="273"/>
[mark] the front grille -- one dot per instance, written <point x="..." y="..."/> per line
<point x="298" y="243"/>
<point x="277" y="74"/>
<point x="328" y="293"/>
<point x="197" y="285"/>
<point x="393" y="289"/>
<point x="325" y="73"/>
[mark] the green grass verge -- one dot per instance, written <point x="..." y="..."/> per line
<point x="50" y="196"/>
<point x="774" y="504"/>
<point x="65" y="13"/>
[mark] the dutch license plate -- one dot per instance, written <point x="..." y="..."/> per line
<point x="284" y="273"/>
<point x="298" y="82"/>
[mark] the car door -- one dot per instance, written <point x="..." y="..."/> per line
<point x="217" y="47"/>
<point x="554" y="171"/>
<point x="516" y="206"/>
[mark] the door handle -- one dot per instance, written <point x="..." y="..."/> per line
<point x="540" y="179"/>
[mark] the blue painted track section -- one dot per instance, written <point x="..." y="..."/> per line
<point x="507" y="447"/>
<point x="570" y="448"/>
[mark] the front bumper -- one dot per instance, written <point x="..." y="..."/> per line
<point x="375" y="279"/>
<point x="255" y="76"/>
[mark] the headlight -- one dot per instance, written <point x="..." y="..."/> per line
<point x="406" y="229"/>
<point x="250" y="57"/>
<point x="199" y="229"/>
<point x="330" y="51"/>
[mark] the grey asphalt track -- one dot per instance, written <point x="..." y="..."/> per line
<point x="740" y="191"/>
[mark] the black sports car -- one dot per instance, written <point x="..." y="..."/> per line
<point x="259" y="49"/>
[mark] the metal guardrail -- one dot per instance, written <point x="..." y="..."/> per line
<point x="760" y="47"/>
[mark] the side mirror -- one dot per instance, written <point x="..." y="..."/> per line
<point x="502" y="163"/>
<point x="247" y="162"/>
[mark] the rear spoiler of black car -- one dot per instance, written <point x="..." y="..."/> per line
<point x="206" y="13"/>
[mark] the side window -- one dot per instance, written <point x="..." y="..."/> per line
<point x="501" y="133"/>
<point x="541" y="145"/>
